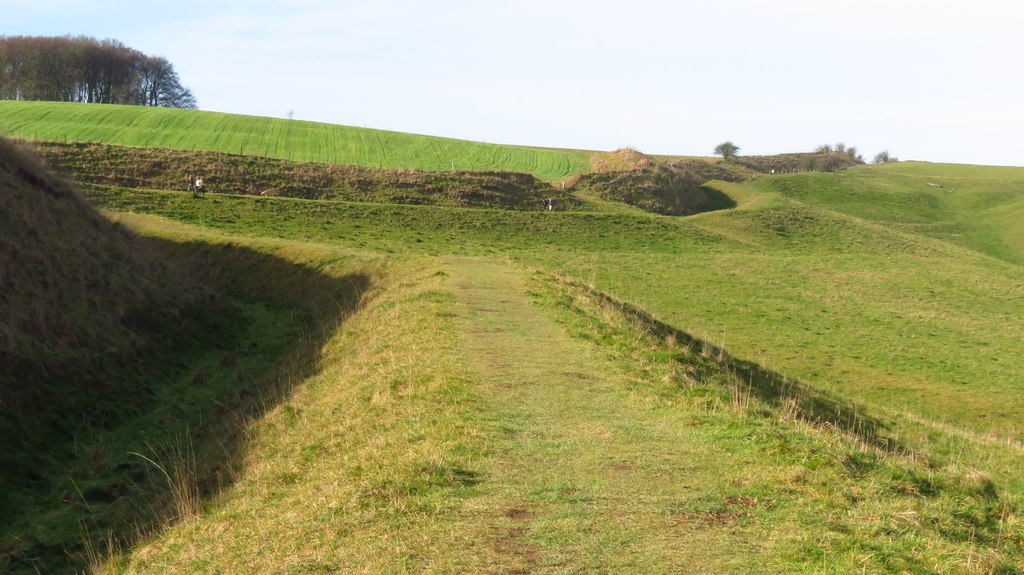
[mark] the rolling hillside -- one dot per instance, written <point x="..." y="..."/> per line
<point x="295" y="140"/>
<point x="977" y="207"/>
<point x="141" y="147"/>
<point x="823" y="378"/>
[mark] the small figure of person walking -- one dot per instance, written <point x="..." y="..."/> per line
<point x="549" y="204"/>
<point x="191" y="183"/>
<point x="199" y="187"/>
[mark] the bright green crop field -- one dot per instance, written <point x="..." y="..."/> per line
<point x="295" y="140"/>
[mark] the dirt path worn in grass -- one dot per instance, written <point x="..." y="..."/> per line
<point x="582" y="475"/>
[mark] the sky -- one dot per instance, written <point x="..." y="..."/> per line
<point x="930" y="80"/>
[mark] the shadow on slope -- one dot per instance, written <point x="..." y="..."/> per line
<point x="132" y="366"/>
<point x="179" y="437"/>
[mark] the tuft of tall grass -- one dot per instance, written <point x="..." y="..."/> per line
<point x="180" y="470"/>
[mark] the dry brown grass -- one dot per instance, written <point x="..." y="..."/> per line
<point x="621" y="160"/>
<point x="154" y="168"/>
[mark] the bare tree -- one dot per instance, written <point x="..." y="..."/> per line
<point x="83" y="69"/>
<point x="883" y="157"/>
<point x="727" y="150"/>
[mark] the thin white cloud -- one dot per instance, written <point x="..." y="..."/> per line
<point x="665" y="76"/>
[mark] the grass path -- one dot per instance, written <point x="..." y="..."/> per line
<point x="583" y="475"/>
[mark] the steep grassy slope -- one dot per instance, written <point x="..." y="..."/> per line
<point x="294" y="140"/>
<point x="88" y="311"/>
<point x="643" y="183"/>
<point x="124" y="358"/>
<point x="83" y="302"/>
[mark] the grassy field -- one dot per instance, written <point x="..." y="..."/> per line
<point x="825" y="379"/>
<point x="906" y="323"/>
<point x="973" y="206"/>
<point x="295" y="140"/>
<point x="859" y="306"/>
<point x="954" y="171"/>
<point x="528" y="426"/>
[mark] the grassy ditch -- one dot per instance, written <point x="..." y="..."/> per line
<point x="361" y="468"/>
<point x="878" y="314"/>
<point x="107" y="483"/>
<point x="824" y="389"/>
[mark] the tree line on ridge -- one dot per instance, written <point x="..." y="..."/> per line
<point x="86" y="70"/>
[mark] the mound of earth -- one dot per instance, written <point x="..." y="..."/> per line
<point x="652" y="185"/>
<point x="675" y="187"/>
<point x="621" y="160"/>
<point x="156" y="168"/>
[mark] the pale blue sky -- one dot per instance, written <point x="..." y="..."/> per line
<point x="927" y="80"/>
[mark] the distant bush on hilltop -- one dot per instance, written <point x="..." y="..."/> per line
<point x="791" y="163"/>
